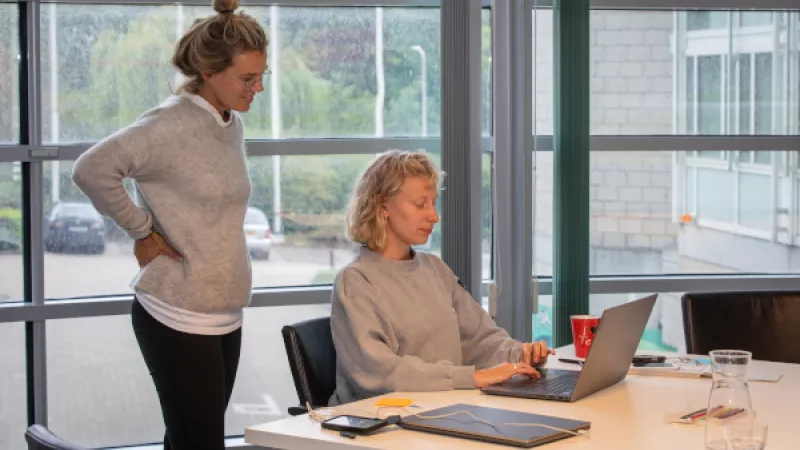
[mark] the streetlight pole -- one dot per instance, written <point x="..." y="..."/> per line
<point x="424" y="87"/>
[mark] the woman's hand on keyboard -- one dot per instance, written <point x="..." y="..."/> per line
<point x="536" y="353"/>
<point x="503" y="372"/>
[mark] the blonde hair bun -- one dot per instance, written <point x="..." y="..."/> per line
<point x="225" y="5"/>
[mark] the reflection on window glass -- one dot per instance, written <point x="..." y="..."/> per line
<point x="9" y="73"/>
<point x="110" y="63"/>
<point x="11" y="274"/>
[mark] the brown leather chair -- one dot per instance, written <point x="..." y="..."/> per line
<point x="764" y="323"/>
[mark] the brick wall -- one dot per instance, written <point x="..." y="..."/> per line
<point x="631" y="87"/>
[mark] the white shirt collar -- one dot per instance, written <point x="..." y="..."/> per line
<point x="203" y="103"/>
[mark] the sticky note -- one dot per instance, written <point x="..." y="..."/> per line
<point x="397" y="402"/>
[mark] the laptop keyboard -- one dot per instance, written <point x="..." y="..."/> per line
<point x="560" y="382"/>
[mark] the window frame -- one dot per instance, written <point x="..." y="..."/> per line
<point x="35" y="311"/>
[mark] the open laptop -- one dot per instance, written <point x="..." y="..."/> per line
<point x="607" y="363"/>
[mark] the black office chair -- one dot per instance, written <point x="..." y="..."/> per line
<point x="312" y="358"/>
<point x="767" y="324"/>
<point x="40" y="438"/>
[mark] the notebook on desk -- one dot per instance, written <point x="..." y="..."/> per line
<point x="460" y="421"/>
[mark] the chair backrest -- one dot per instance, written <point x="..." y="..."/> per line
<point x="40" y="438"/>
<point x="312" y="358"/>
<point x="764" y="323"/>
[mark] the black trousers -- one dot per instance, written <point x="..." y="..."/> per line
<point x="194" y="377"/>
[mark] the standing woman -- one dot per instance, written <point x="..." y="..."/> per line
<point x="188" y="159"/>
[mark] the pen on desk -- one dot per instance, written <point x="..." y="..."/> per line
<point x="731" y="413"/>
<point x="705" y="412"/>
<point x="571" y="361"/>
<point x="692" y="414"/>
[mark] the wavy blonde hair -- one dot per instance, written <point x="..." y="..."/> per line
<point x="380" y="181"/>
<point x="210" y="44"/>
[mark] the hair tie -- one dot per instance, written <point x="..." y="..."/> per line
<point x="224" y="11"/>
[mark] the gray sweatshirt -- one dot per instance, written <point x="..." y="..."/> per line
<point x="193" y="179"/>
<point x="409" y="326"/>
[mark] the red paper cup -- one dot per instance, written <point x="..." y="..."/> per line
<point x="583" y="328"/>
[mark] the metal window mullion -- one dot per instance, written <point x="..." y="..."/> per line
<point x="461" y="140"/>
<point x="33" y="210"/>
<point x="513" y="143"/>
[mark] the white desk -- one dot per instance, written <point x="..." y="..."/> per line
<point x="629" y="415"/>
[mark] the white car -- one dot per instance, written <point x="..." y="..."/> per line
<point x="258" y="233"/>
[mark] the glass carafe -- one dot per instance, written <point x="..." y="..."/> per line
<point x="730" y="395"/>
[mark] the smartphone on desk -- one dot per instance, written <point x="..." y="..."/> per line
<point x="354" y="424"/>
<point x="651" y="365"/>
<point x="648" y="359"/>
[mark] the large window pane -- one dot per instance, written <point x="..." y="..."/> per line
<point x="721" y="218"/>
<point x="487" y="202"/>
<point x="307" y="214"/>
<point x="9" y="73"/>
<point x="264" y="388"/>
<point x="664" y="330"/>
<point x="542" y="45"/>
<point x="631" y="72"/>
<point x="330" y="81"/>
<point x="697" y="72"/>
<point x="14" y="407"/>
<point x="11" y="275"/>
<point x="100" y="393"/>
<point x="295" y="227"/>
<point x="543" y="220"/>
<point x="486" y="73"/>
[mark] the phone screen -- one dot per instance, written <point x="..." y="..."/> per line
<point x="354" y="422"/>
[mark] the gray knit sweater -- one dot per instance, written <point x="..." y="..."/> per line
<point x="409" y="326"/>
<point x="193" y="179"/>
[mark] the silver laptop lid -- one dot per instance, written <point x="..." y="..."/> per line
<point x="614" y="346"/>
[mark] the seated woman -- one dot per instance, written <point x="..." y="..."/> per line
<point x="401" y="320"/>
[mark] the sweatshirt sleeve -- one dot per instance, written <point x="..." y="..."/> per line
<point x="366" y="348"/>
<point x="483" y="343"/>
<point x="99" y="173"/>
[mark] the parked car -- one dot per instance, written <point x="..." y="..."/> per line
<point x="258" y="233"/>
<point x="73" y="226"/>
